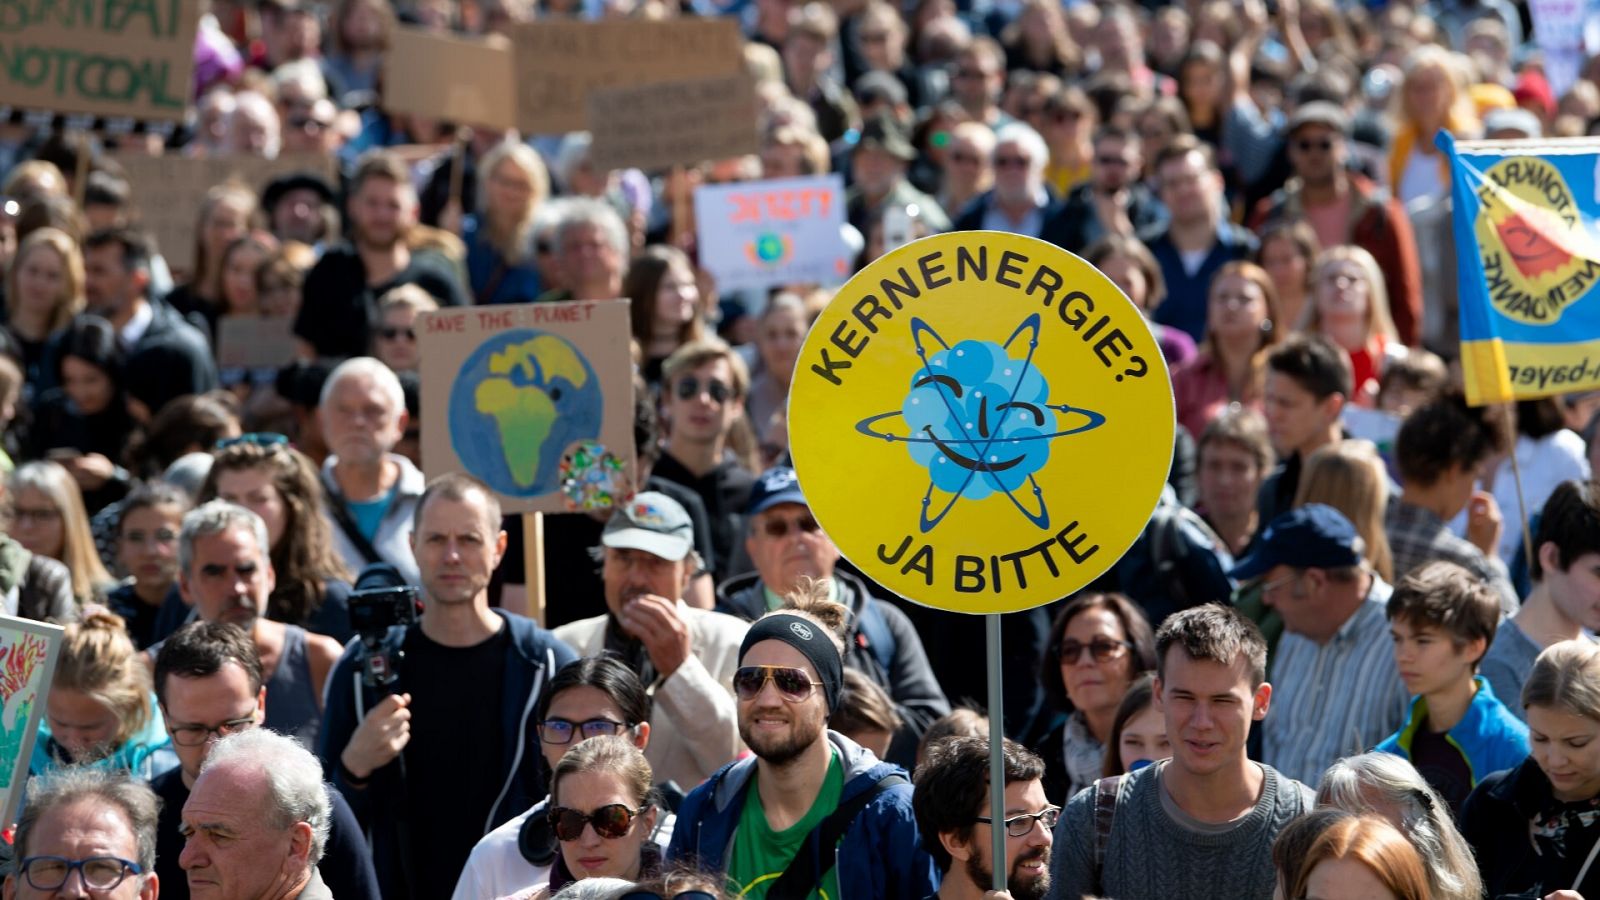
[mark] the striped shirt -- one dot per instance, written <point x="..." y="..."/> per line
<point x="1335" y="699"/>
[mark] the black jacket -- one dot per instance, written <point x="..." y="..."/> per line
<point x="1497" y="821"/>
<point x="908" y="679"/>
<point x="1075" y="224"/>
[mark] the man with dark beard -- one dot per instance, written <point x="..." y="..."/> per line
<point x="341" y="290"/>
<point x="953" y="814"/>
<point x="810" y="810"/>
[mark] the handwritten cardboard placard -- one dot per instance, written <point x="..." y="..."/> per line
<point x="460" y="80"/>
<point x="118" y="58"/>
<point x="536" y="400"/>
<point x="28" y="652"/>
<point x="676" y="123"/>
<point x="253" y="342"/>
<point x="167" y="191"/>
<point x="560" y="63"/>
<point x="761" y="234"/>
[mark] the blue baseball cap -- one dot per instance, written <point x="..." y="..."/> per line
<point x="1314" y="536"/>
<point x="776" y="485"/>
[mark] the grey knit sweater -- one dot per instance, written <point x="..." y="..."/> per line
<point x="1152" y="857"/>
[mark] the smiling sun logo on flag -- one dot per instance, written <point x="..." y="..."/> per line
<point x="1538" y="254"/>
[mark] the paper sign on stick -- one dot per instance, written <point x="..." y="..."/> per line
<point x="560" y="63"/>
<point x="676" y="123"/>
<point x="759" y="234"/>
<point x="536" y="400"/>
<point x="28" y="651"/>
<point x="460" y="80"/>
<point x="1005" y="407"/>
<point x="132" y="59"/>
<point x="167" y="191"/>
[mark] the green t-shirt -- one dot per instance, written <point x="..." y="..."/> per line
<point x="760" y="854"/>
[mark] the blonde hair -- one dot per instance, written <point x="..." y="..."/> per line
<point x="812" y="600"/>
<point x="515" y="246"/>
<point x="1374" y="843"/>
<point x="1460" y="116"/>
<point x="609" y="754"/>
<point x="407" y="296"/>
<point x="1349" y="476"/>
<point x="99" y="659"/>
<point x="1566" y="677"/>
<point x="206" y="274"/>
<point x="78" y="552"/>
<point x="1378" y="319"/>
<point x="71" y="301"/>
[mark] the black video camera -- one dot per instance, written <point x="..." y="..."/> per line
<point x="372" y="613"/>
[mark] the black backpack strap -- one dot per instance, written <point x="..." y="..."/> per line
<point x="340" y="511"/>
<point x="807" y="869"/>
<point x="1106" y="793"/>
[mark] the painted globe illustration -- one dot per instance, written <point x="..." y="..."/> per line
<point x="517" y="403"/>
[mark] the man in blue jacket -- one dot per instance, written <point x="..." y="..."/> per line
<point x="809" y="809"/>
<point x="451" y="750"/>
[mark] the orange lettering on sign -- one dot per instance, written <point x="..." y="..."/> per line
<point x="786" y="206"/>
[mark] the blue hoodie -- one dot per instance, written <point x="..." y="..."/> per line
<point x="532" y="659"/>
<point x="880" y="856"/>
<point x="1489" y="737"/>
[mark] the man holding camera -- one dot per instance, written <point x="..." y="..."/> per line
<point x="225" y="573"/>
<point x="449" y="750"/>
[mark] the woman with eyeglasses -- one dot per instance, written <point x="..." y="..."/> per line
<point x="262" y="473"/>
<point x="1350" y="307"/>
<point x="1098" y="645"/>
<point x="101" y="709"/>
<point x="603" y="814"/>
<point x="596" y="696"/>
<point x="48" y="519"/>
<point x="147" y="549"/>
<point x="512" y="185"/>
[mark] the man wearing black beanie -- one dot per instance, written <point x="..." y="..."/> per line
<point x="810" y="812"/>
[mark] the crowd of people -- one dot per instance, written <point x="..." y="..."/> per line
<point x="1352" y="654"/>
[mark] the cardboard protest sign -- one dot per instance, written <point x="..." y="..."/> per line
<point x="759" y="234"/>
<point x="116" y="58"/>
<point x="167" y="191"/>
<point x="28" y="651"/>
<point x="559" y="64"/>
<point x="253" y="342"/>
<point x="460" y="80"/>
<point x="1006" y="407"/>
<point x="676" y="123"/>
<point x="536" y="400"/>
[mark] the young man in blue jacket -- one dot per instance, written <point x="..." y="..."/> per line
<point x="809" y="808"/>
<point x="1442" y="618"/>
<point x="451" y="750"/>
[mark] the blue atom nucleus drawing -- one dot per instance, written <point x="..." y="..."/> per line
<point x="980" y="420"/>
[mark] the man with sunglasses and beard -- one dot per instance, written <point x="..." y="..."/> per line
<point x="703" y="387"/>
<point x="810" y="810"/>
<point x="686" y="657"/>
<point x="789" y="547"/>
<point x="953" y="814"/>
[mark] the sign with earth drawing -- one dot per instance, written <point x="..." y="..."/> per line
<point x="1005" y="407"/>
<point x="536" y="400"/>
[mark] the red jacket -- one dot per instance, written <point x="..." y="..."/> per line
<point x="1378" y="225"/>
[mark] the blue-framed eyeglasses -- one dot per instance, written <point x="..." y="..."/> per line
<point x="100" y="873"/>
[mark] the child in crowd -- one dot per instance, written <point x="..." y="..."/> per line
<point x="1442" y="619"/>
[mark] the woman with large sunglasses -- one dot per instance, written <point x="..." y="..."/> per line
<point x="1099" y="645"/>
<point x="596" y="696"/>
<point x="603" y="811"/>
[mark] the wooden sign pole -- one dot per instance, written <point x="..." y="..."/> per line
<point x="533" y="564"/>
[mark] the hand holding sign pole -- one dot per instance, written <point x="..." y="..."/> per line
<point x="1013" y="414"/>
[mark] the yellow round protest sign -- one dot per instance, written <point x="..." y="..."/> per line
<point x="982" y="422"/>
